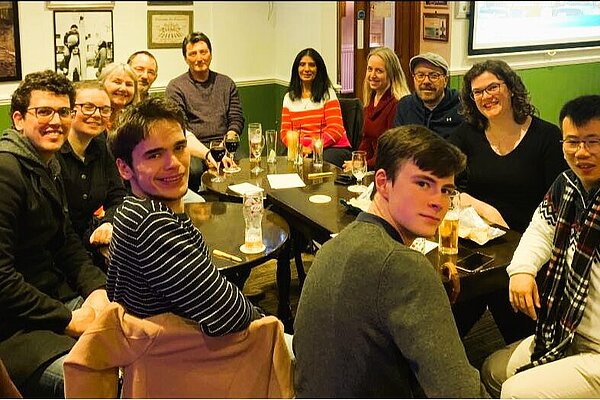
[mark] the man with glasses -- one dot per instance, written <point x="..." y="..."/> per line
<point x="145" y="66"/>
<point x="432" y="104"/>
<point x="45" y="272"/>
<point x="562" y="359"/>
<point x="93" y="185"/>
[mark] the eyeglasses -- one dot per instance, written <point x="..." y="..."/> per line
<point x="90" y="108"/>
<point x="572" y="145"/>
<point x="45" y="114"/>
<point x="433" y="76"/>
<point x="492" y="88"/>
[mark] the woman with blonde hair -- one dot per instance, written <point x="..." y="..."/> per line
<point x="384" y="85"/>
<point x="120" y="82"/>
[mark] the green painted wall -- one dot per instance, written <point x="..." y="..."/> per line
<point x="551" y="87"/>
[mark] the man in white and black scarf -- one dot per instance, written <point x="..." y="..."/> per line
<point x="562" y="359"/>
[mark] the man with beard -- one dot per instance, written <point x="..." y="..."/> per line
<point x="433" y="104"/>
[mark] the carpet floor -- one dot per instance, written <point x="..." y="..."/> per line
<point x="261" y="288"/>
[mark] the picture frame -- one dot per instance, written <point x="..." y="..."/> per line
<point x="435" y="26"/>
<point x="80" y="5"/>
<point x="436" y="4"/>
<point x="170" y="3"/>
<point x="10" y="48"/>
<point x="461" y="10"/>
<point x="83" y="43"/>
<point x="167" y="29"/>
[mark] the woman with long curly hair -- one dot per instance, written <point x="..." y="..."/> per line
<point x="513" y="157"/>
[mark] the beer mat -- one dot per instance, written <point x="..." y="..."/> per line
<point x="423" y="245"/>
<point x="245" y="188"/>
<point x="319" y="199"/>
<point x="245" y="250"/>
<point x="471" y="226"/>
<point x="285" y="181"/>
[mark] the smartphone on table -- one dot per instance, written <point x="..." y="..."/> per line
<point x="474" y="262"/>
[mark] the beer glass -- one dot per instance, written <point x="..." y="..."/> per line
<point x="317" y="151"/>
<point x="448" y="229"/>
<point x="292" y="145"/>
<point x="271" y="143"/>
<point x="253" y="211"/>
<point x="256" y="142"/>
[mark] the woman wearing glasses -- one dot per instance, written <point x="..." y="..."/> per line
<point x="512" y="159"/>
<point x="93" y="186"/>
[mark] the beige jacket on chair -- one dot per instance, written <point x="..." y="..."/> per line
<point x="168" y="356"/>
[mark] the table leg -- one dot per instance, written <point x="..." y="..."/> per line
<point x="284" y="279"/>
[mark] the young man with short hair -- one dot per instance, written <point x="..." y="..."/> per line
<point x="45" y="272"/>
<point x="562" y="359"/>
<point x="433" y="104"/>
<point x="374" y="319"/>
<point x="159" y="261"/>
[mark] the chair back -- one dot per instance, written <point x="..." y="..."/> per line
<point x="352" y="114"/>
<point x="167" y="356"/>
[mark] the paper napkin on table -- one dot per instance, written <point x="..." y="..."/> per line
<point x="285" y="181"/>
<point x="473" y="227"/>
<point x="243" y="188"/>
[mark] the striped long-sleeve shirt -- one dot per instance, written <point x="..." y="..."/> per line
<point x="313" y="118"/>
<point x="160" y="263"/>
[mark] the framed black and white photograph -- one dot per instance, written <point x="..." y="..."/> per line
<point x="10" y="52"/>
<point x="83" y="43"/>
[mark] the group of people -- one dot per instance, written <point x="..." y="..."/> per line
<point x="75" y="152"/>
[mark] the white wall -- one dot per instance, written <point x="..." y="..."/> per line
<point x="252" y="41"/>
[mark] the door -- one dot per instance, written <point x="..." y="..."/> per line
<point x="364" y="25"/>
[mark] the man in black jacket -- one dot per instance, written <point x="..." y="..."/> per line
<point x="45" y="272"/>
<point x="433" y="104"/>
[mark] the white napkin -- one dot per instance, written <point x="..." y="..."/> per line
<point x="423" y="245"/>
<point x="285" y="181"/>
<point x="472" y="226"/>
<point x="244" y="188"/>
<point x="363" y="201"/>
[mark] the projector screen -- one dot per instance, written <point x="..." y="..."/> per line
<point x="517" y="26"/>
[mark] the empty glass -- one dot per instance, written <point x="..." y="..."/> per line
<point x="271" y="143"/>
<point x="256" y="142"/>
<point x="359" y="169"/>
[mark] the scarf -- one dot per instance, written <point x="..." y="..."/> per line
<point x="565" y="287"/>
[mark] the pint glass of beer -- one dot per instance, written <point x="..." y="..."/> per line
<point x="448" y="229"/>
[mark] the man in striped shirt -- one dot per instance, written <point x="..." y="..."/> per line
<point x="158" y="260"/>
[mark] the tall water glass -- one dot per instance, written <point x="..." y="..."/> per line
<point x="253" y="212"/>
<point x="317" y="149"/>
<point x="271" y="143"/>
<point x="448" y="229"/>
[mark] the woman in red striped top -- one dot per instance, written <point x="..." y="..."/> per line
<point x="311" y="108"/>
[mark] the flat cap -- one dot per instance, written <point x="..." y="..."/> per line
<point x="431" y="58"/>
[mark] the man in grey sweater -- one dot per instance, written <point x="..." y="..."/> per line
<point x="374" y="319"/>
<point x="210" y="100"/>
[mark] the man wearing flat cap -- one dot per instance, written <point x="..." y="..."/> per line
<point x="432" y="104"/>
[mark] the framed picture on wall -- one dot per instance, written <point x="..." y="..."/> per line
<point x="83" y="43"/>
<point x="167" y="29"/>
<point x="10" y="50"/>
<point x="436" y="4"/>
<point x="435" y="26"/>
<point x="79" y="5"/>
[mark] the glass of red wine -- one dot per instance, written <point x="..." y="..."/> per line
<point x="217" y="151"/>
<point x="232" y="142"/>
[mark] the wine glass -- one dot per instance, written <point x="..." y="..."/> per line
<point x="359" y="169"/>
<point x="232" y="142"/>
<point x="257" y="142"/>
<point x="217" y="151"/>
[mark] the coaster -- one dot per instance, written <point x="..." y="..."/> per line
<point x="245" y="250"/>
<point x="319" y="199"/>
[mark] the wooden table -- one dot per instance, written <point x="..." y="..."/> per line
<point x="319" y="221"/>
<point x="222" y="226"/>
